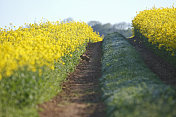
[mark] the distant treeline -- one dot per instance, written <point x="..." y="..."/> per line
<point x="123" y="28"/>
<point x="103" y="29"/>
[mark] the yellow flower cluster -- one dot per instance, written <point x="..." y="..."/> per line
<point x="41" y="44"/>
<point x="159" y="26"/>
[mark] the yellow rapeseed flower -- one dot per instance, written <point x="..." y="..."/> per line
<point x="159" y="26"/>
<point x="41" y="45"/>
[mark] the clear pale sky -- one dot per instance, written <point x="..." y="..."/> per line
<point x="19" y="12"/>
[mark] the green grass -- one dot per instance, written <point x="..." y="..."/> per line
<point x="21" y="93"/>
<point x="129" y="88"/>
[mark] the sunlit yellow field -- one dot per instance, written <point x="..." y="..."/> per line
<point x="159" y="26"/>
<point x="41" y="45"/>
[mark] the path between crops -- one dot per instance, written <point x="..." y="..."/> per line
<point x="165" y="71"/>
<point x="81" y="95"/>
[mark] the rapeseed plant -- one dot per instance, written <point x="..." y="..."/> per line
<point x="158" y="25"/>
<point x="41" y="45"/>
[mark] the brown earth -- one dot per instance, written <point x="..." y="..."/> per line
<point x="165" y="71"/>
<point x="80" y="95"/>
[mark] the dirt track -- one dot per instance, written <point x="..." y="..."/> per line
<point x="81" y="96"/>
<point x="165" y="71"/>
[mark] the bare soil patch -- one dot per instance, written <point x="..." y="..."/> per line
<point x="80" y="95"/>
<point x="165" y="71"/>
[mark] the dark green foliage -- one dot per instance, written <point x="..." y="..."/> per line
<point x="166" y="55"/>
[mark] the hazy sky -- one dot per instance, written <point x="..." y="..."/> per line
<point x="19" y="12"/>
